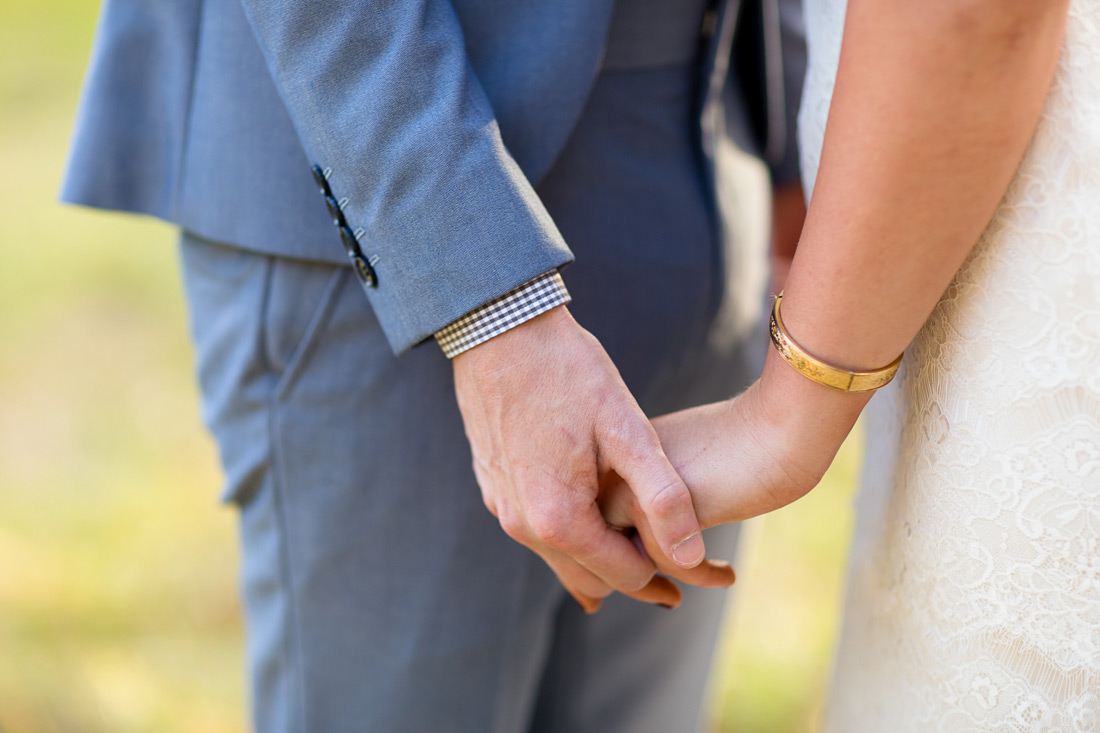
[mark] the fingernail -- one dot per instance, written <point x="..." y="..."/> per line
<point x="688" y="552"/>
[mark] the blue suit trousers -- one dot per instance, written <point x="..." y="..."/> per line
<point x="380" y="594"/>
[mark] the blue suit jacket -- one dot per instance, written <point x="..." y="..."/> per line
<point x="433" y="119"/>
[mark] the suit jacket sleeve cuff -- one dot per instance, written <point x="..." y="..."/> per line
<point x="531" y="299"/>
<point x="434" y="210"/>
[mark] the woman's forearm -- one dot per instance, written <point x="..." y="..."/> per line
<point x="934" y="105"/>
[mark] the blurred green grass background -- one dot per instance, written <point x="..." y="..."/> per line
<point x="118" y="599"/>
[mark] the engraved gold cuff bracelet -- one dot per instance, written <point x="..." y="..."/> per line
<point x="813" y="368"/>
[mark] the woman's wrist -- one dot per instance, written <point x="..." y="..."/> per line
<point x="809" y="419"/>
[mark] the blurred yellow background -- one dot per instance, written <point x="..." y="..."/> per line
<point x="118" y="600"/>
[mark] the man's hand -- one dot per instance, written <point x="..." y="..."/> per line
<point x="547" y="416"/>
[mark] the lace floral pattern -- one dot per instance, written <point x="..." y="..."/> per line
<point x="974" y="590"/>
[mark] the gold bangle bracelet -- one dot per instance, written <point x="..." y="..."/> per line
<point x="810" y="366"/>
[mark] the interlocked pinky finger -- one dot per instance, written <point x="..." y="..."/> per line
<point x="586" y="588"/>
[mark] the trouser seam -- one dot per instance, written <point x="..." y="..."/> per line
<point x="281" y="384"/>
<point x="291" y="642"/>
<point x="291" y="645"/>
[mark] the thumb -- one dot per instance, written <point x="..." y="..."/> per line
<point x="662" y="496"/>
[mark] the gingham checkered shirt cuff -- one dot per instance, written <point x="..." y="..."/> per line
<point x="531" y="299"/>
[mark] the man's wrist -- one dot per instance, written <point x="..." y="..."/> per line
<point x="498" y="316"/>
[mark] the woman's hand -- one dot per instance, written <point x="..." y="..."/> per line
<point x="749" y="455"/>
<point x="733" y="462"/>
<point x="916" y="157"/>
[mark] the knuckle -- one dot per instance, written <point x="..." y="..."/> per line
<point x="615" y="429"/>
<point x="510" y="522"/>
<point x="489" y="503"/>
<point x="635" y="426"/>
<point x="629" y="433"/>
<point x="551" y="524"/>
<point x="671" y="499"/>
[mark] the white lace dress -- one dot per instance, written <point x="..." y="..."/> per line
<point x="974" y="590"/>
